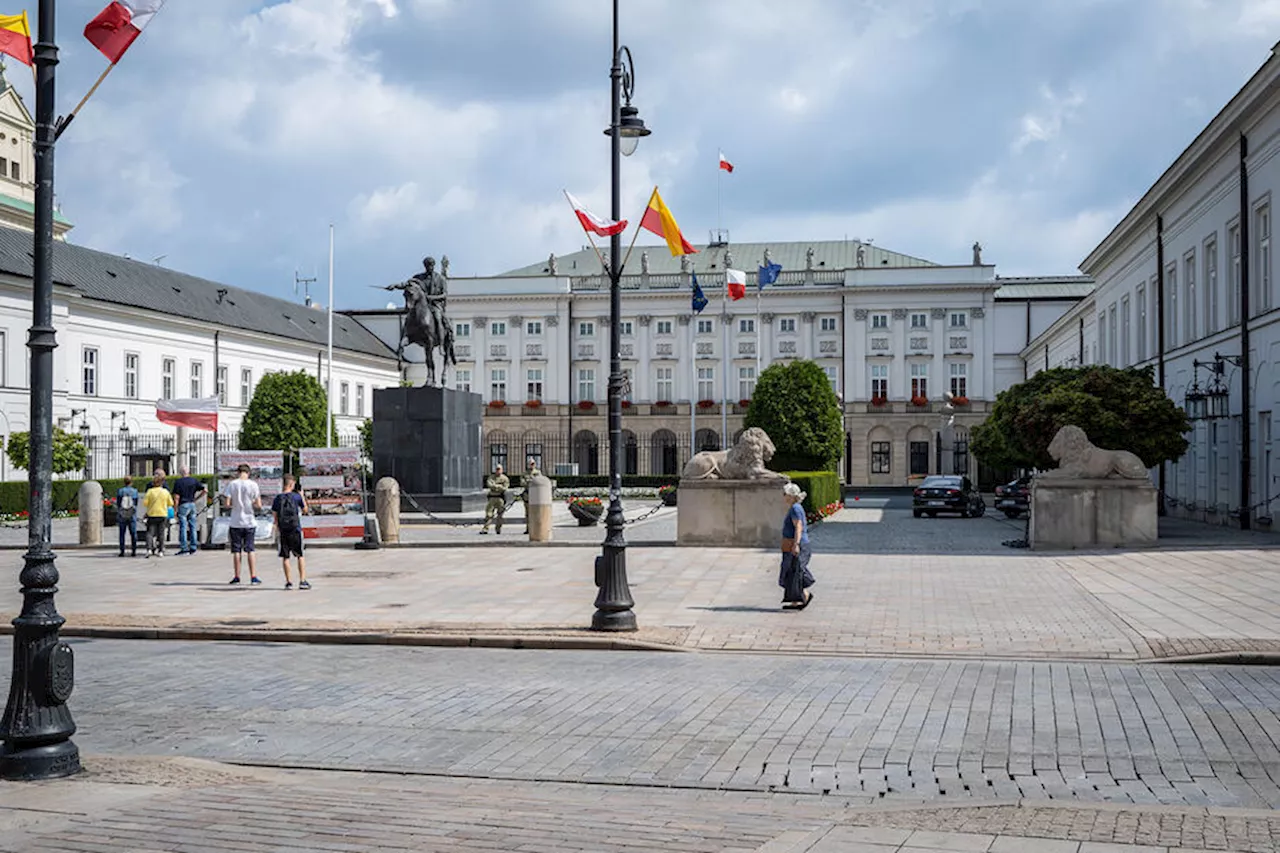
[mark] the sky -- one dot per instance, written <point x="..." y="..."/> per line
<point x="233" y="133"/>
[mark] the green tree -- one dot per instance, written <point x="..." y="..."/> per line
<point x="1119" y="409"/>
<point x="795" y="404"/>
<point x="69" y="452"/>
<point x="287" y="412"/>
<point x="366" y="438"/>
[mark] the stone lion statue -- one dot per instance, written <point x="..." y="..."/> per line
<point x="744" y="461"/>
<point x="1079" y="459"/>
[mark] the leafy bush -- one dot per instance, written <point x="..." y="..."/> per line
<point x="66" y="493"/>
<point x="366" y="438"/>
<point x="795" y="404"/>
<point x="822" y="489"/>
<point x="1120" y="409"/>
<point x="69" y="452"/>
<point x="287" y="412"/>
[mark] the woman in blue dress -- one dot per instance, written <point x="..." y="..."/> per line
<point x="794" y="577"/>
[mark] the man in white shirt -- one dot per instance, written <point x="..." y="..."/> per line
<point x="242" y="495"/>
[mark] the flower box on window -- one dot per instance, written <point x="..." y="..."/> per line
<point x="706" y="404"/>
<point x="663" y="407"/>
<point x="626" y="404"/>
<point x="879" y="402"/>
<point x="533" y="407"/>
<point x="497" y="404"/>
<point x="961" y="400"/>
<point x="919" y="402"/>
<point x="586" y="405"/>
<point x="744" y="403"/>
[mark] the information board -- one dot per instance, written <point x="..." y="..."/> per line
<point x="334" y="488"/>
<point x="265" y="466"/>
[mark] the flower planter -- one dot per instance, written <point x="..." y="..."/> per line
<point x="109" y="516"/>
<point x="586" y="514"/>
<point x="662" y="410"/>
<point x="668" y="498"/>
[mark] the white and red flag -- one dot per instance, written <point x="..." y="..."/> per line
<point x="725" y="164"/>
<point x="736" y="281"/>
<point x="196" y="412"/>
<point x="591" y="222"/>
<point x="116" y="26"/>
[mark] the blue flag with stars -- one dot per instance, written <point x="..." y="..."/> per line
<point x="768" y="274"/>
<point x="699" y="298"/>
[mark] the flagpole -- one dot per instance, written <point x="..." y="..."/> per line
<point x="329" y="391"/>
<point x="759" y="338"/>
<point x="693" y="385"/>
<point x="636" y="234"/>
<point x="62" y="125"/>
<point x="724" y="365"/>
<point x="590" y="239"/>
<point x="719" y="176"/>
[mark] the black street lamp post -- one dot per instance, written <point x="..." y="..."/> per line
<point x="37" y="725"/>
<point x="613" y="601"/>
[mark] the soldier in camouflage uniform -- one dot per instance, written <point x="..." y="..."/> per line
<point x="497" y="484"/>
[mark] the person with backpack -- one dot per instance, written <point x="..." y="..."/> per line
<point x="288" y="508"/>
<point x="127" y="514"/>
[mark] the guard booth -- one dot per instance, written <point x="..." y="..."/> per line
<point x="145" y="460"/>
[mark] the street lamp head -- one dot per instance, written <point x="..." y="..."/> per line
<point x="630" y="130"/>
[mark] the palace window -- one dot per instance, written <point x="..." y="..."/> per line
<point x="359" y="400"/>
<point x="880" y="381"/>
<point x="787" y="324"/>
<point x="246" y="386"/>
<point x="879" y="321"/>
<point x="533" y="383"/>
<point x="168" y="368"/>
<point x="880" y="456"/>
<point x="197" y="379"/>
<point x="533" y="327"/>
<point x="664" y="327"/>
<point x="586" y="329"/>
<point x="498" y="328"/>
<point x="1211" y="317"/>
<point x="586" y="383"/>
<point x="89" y="374"/>
<point x="663" y="384"/>
<point x="1262" y="237"/>
<point x="344" y="398"/>
<point x="462" y="330"/>
<point x="746" y="382"/>
<point x="959" y="319"/>
<point x="920" y="380"/>
<point x="462" y="379"/>
<point x="626" y="328"/>
<point x="706" y="327"/>
<point x="746" y="325"/>
<point x="1233" y="290"/>
<point x="920" y="321"/>
<point x="221" y="381"/>
<point x="130" y="374"/>
<point x="1189" y="296"/>
<point x="959" y="376"/>
<point x="497" y="383"/>
<point x="827" y="324"/>
<point x="1141" y="297"/>
<point x="706" y="383"/>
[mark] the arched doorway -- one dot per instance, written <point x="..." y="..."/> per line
<point x="586" y="452"/>
<point x="664" y="457"/>
<point x="880" y="455"/>
<point x="706" y="439"/>
<point x="630" y="453"/>
<point x="918" y="441"/>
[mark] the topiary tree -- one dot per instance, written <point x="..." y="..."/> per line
<point x="366" y="438"/>
<point x="69" y="452"/>
<point x="795" y="404"/>
<point x="1121" y="409"/>
<point x="287" y="412"/>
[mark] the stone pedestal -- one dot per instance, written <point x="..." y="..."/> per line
<point x="1111" y="513"/>
<point x="387" y="508"/>
<point x="90" y="501"/>
<point x="538" y="506"/>
<point x="428" y="439"/>
<point x="745" y="513"/>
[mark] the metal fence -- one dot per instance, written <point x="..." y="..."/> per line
<point x="661" y="453"/>
<point x="112" y="456"/>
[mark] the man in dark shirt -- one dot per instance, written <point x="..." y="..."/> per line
<point x="185" y="491"/>
<point x="288" y="508"/>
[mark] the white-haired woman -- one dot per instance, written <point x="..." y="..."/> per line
<point x="794" y="577"/>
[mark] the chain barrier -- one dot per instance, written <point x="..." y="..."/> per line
<point x="472" y="522"/>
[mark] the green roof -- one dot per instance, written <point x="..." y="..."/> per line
<point x="28" y="207"/>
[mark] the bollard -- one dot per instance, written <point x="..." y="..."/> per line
<point x="539" y="508"/>
<point x="90" y="513"/>
<point x="387" y="505"/>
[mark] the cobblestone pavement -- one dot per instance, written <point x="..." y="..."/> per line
<point x="981" y="601"/>
<point x="307" y="811"/>
<point x="890" y="731"/>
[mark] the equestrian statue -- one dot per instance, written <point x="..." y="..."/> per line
<point x="426" y="323"/>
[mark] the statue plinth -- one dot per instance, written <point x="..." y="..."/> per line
<point x="1071" y="513"/>
<point x="740" y="513"/>
<point x="428" y="439"/>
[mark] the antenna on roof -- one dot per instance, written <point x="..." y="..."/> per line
<point x="718" y="237"/>
<point x="157" y="260"/>
<point x="306" y="286"/>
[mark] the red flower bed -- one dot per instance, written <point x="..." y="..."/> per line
<point x="706" y="404"/>
<point x="626" y="404"/>
<point x="879" y="401"/>
<point x="919" y="401"/>
<point x="828" y="510"/>
<point x="497" y="404"/>
<point x="532" y="404"/>
<point x="586" y="405"/>
<point x="960" y="401"/>
<point x="664" y="403"/>
<point x="744" y="403"/>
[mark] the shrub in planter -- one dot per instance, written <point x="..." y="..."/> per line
<point x="667" y="494"/>
<point x="822" y="490"/>
<point x="587" y="510"/>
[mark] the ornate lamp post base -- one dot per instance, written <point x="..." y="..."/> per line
<point x="613" y="601"/>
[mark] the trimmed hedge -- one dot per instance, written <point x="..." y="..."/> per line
<point x="600" y="481"/>
<point x="821" y="487"/>
<point x="66" y="493"/>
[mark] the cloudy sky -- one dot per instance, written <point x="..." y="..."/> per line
<point x="234" y="132"/>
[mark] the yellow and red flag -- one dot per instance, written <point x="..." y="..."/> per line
<point x="658" y="219"/>
<point x="15" y="37"/>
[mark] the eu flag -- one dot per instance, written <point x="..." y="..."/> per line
<point x="699" y="298"/>
<point x="768" y="274"/>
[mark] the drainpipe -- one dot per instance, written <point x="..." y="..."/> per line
<point x="1246" y="431"/>
<point x="1026" y="342"/>
<point x="568" y="392"/>
<point x="844" y="379"/>
<point x="1080" y="343"/>
<point x="1162" y="477"/>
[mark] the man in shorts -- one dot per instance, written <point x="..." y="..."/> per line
<point x="288" y="508"/>
<point x="242" y="495"/>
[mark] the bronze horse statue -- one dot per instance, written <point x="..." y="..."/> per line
<point x="426" y="323"/>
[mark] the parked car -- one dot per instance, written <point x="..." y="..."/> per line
<point x="1014" y="498"/>
<point x="947" y="493"/>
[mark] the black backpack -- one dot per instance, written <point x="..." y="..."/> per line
<point x="289" y="517"/>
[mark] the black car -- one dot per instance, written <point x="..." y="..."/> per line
<point x="1014" y="498"/>
<point x="946" y="493"/>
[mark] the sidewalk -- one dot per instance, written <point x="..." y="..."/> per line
<point x="885" y="587"/>
<point x="157" y="805"/>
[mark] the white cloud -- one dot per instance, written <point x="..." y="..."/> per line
<point x="1045" y="124"/>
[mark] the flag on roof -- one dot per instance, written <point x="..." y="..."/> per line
<point x="725" y="164"/>
<point x="591" y="222"/>
<point x="15" y="37"/>
<point x="658" y="219"/>
<point x="699" y="298"/>
<point x="768" y="274"/>
<point x="736" y="281"/>
<point x="195" y="412"/>
<point x="116" y="26"/>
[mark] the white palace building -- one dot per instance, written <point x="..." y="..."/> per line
<point x="1186" y="283"/>
<point x="891" y="331"/>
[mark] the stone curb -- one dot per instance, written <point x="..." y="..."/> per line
<point x="469" y="543"/>
<point x="1248" y="658"/>
<point x="387" y="638"/>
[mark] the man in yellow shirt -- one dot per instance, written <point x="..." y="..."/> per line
<point x="156" y="503"/>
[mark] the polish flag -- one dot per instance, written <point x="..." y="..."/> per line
<point x="591" y="222"/>
<point x="725" y="164"/>
<point x="197" y="413"/>
<point x="737" y="283"/>
<point x="119" y="24"/>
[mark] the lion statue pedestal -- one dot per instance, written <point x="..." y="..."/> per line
<point x="1095" y="498"/>
<point x="728" y="497"/>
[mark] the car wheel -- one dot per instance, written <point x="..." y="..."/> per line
<point x="1012" y="513"/>
<point x="932" y="513"/>
<point x="916" y="513"/>
<point x="964" y="512"/>
<point x="982" y="508"/>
